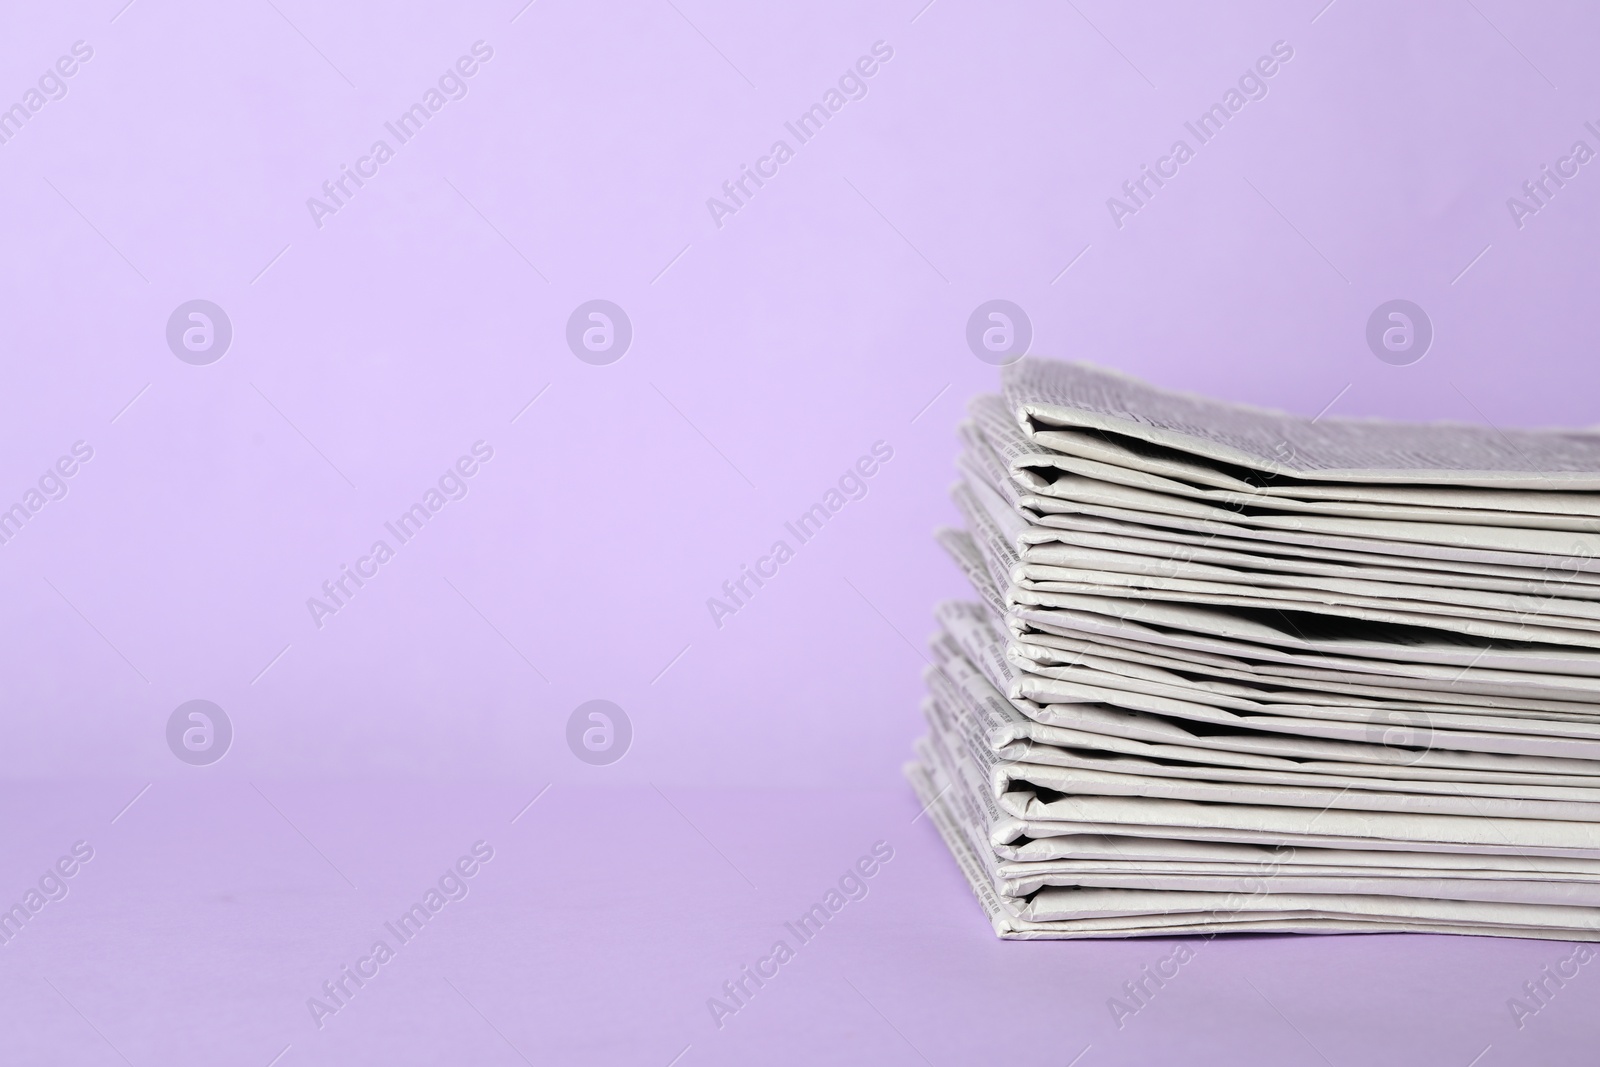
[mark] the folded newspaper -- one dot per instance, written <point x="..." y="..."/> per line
<point x="1230" y="670"/>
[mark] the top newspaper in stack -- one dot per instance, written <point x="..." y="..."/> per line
<point x="1050" y="394"/>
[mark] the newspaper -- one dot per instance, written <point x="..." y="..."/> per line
<point x="1014" y="734"/>
<point x="1107" y="852"/>
<point x="1283" y="555"/>
<point x="1095" y="767"/>
<point x="1135" y="569"/>
<point x="1204" y="636"/>
<point x="1167" y="534"/>
<point x="1005" y="914"/>
<point x="1047" y="394"/>
<point x="1420" y="687"/>
<point x="1048" y="474"/>
<point x="1230" y="670"/>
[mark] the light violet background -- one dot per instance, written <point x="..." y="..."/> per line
<point x="768" y="354"/>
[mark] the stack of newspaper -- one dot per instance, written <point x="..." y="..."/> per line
<point x="1231" y="670"/>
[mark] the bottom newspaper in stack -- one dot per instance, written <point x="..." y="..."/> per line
<point x="1083" y="820"/>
